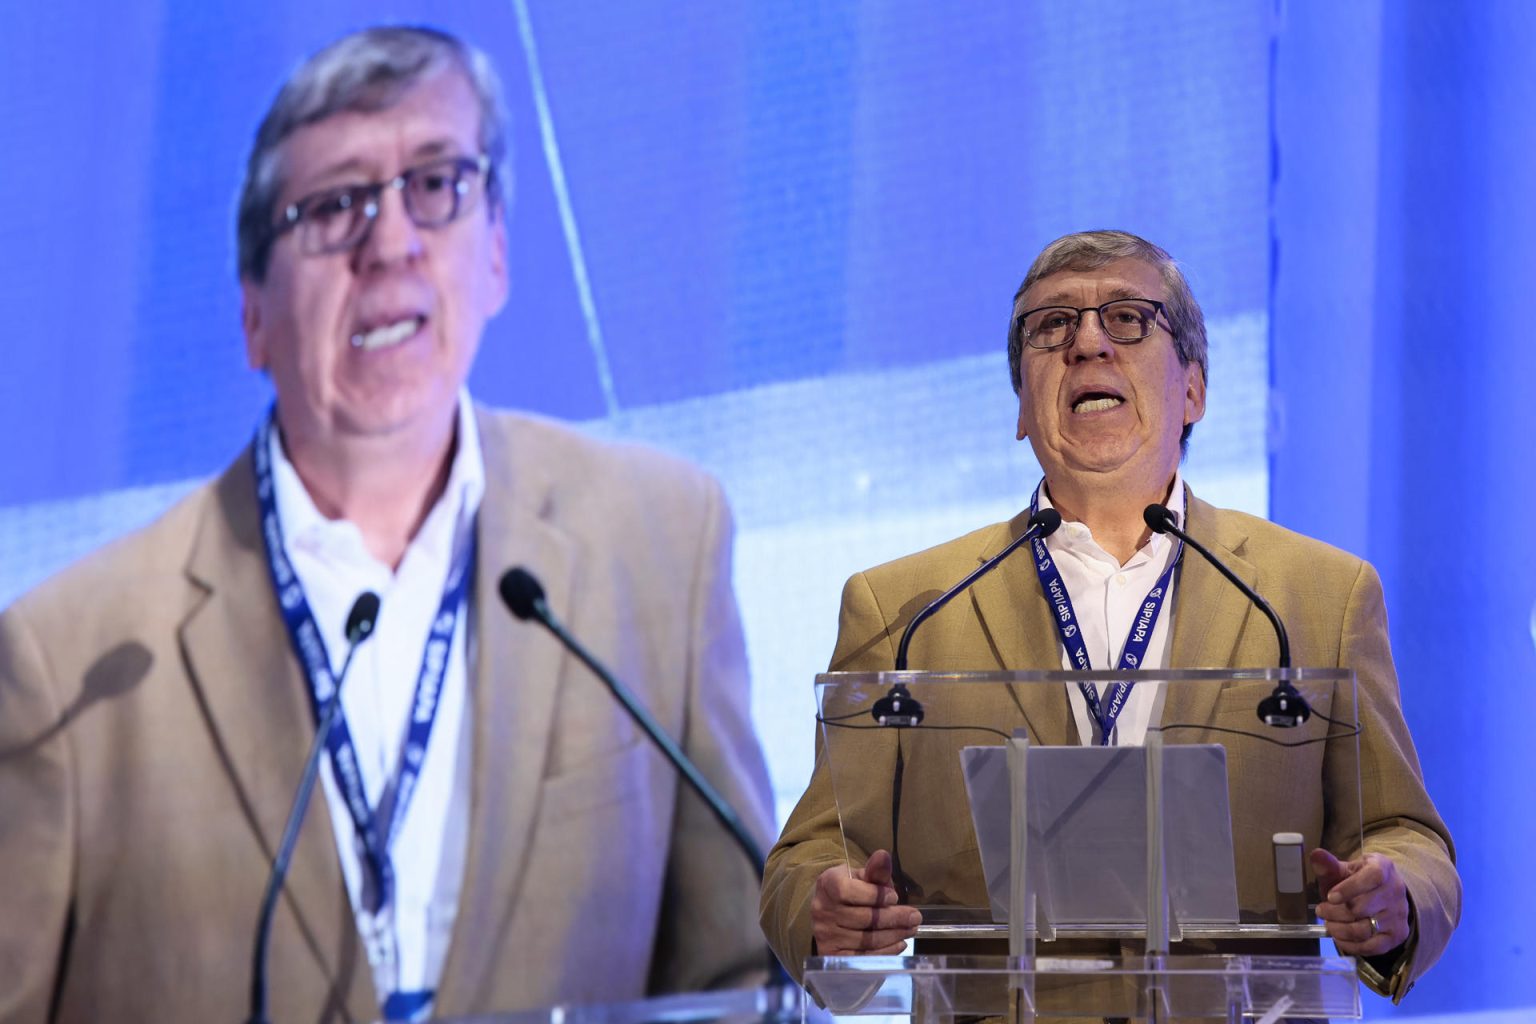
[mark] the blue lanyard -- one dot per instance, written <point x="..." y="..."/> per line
<point x="376" y="827"/>
<point x="1131" y="655"/>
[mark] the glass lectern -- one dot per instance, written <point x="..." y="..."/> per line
<point x="1157" y="882"/>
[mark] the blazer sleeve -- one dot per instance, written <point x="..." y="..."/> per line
<point x="1398" y="818"/>
<point x="708" y="936"/>
<point x="36" y="826"/>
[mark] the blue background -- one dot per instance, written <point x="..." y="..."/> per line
<point x="783" y="239"/>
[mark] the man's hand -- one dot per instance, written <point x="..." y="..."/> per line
<point x="857" y="912"/>
<point x="1362" y="902"/>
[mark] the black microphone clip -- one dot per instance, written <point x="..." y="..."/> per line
<point x="898" y="709"/>
<point x="1285" y="708"/>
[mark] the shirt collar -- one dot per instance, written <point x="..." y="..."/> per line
<point x="1078" y="539"/>
<point x="453" y="513"/>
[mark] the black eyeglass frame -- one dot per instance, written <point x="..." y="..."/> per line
<point x="295" y="214"/>
<point x="1159" y="310"/>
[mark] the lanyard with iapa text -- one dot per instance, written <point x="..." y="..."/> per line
<point x="1135" y="650"/>
<point x="376" y="827"/>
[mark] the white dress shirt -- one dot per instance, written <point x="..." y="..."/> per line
<point x="1106" y="597"/>
<point x="407" y="941"/>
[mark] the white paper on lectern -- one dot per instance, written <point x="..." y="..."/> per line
<point x="1087" y="855"/>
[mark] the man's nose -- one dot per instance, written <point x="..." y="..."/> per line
<point x="392" y="236"/>
<point x="1090" y="340"/>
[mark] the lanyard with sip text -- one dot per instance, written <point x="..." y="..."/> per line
<point x="1135" y="650"/>
<point x="376" y="827"/>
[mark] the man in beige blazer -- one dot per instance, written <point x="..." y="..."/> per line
<point x="1107" y="417"/>
<point x="154" y="716"/>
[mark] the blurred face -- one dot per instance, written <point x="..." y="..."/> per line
<point x="1097" y="408"/>
<point x="376" y="340"/>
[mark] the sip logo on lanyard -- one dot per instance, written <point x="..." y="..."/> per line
<point x="1136" y="643"/>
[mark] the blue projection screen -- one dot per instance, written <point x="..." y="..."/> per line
<point x="780" y="239"/>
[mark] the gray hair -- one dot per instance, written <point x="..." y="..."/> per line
<point x="366" y="71"/>
<point x="1090" y="250"/>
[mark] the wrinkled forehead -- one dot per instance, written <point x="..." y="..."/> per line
<point x="1124" y="278"/>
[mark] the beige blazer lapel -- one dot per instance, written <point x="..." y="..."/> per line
<point x="254" y="696"/>
<point x="1209" y="613"/>
<point x="514" y="687"/>
<point x="1016" y="618"/>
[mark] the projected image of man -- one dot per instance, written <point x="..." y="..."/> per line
<point x="494" y="834"/>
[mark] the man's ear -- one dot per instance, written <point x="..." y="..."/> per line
<point x="500" y="276"/>
<point x="1194" y="394"/>
<point x="1023" y="432"/>
<point x="250" y="320"/>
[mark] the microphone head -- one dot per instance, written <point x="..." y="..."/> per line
<point x="1045" y="521"/>
<point x="522" y="592"/>
<point x="360" y="620"/>
<point x="1157" y="518"/>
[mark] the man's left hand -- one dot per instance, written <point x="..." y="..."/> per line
<point x="1362" y="902"/>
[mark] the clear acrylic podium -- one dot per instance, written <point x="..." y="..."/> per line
<point x="1158" y="883"/>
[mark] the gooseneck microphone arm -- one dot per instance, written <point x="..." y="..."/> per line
<point x="1160" y="520"/>
<point x="899" y="708"/>
<point x="1285" y="706"/>
<point x="1042" y="524"/>
<point x="524" y="597"/>
<point x="360" y="622"/>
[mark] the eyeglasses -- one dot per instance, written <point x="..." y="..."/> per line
<point x="434" y="194"/>
<point x="1124" y="320"/>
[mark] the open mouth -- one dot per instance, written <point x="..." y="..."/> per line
<point x="1096" y="401"/>
<point x="388" y="335"/>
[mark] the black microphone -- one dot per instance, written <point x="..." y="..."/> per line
<point x="1285" y="707"/>
<point x="360" y="623"/>
<point x="899" y="708"/>
<point x="524" y="597"/>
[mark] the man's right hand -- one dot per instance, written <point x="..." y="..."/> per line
<point x="857" y="912"/>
